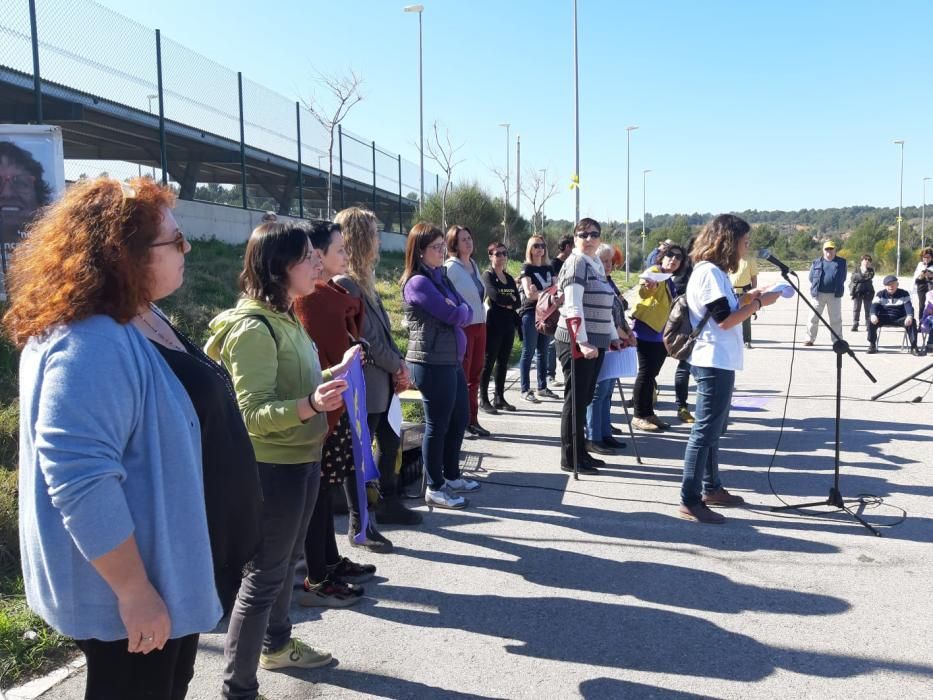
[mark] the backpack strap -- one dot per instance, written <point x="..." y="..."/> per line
<point x="696" y="331"/>
<point x="265" y="321"/>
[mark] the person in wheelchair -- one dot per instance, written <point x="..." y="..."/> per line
<point x="892" y="307"/>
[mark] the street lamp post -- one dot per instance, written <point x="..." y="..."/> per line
<point x="505" y="204"/>
<point x="518" y="175"/>
<point x="150" y="98"/>
<point x="923" y="213"/>
<point x="544" y="194"/>
<point x="576" y="118"/>
<point x="628" y="169"/>
<point x="419" y="9"/>
<point x="644" y="210"/>
<point x="900" y="206"/>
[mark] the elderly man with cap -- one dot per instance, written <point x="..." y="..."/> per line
<point x="892" y="307"/>
<point x="827" y="285"/>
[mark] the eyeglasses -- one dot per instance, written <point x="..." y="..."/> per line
<point x="589" y="234"/>
<point x="674" y="256"/>
<point x="18" y="182"/>
<point x="178" y="241"/>
<point x="439" y="247"/>
<point x="499" y="254"/>
<point x="540" y="246"/>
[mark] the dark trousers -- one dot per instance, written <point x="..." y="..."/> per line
<point x="899" y="323"/>
<point x="579" y="386"/>
<point x="260" y="621"/>
<point x="444" y="394"/>
<point x="682" y="383"/>
<point x="651" y="357"/>
<point x="861" y="305"/>
<point x="386" y="453"/>
<point x="320" y="539"/>
<point x="500" y="335"/>
<point x="113" y="673"/>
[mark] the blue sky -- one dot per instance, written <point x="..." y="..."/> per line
<point x="741" y="105"/>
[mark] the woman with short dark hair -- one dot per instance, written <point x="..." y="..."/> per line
<point x="501" y="319"/>
<point x="435" y="315"/>
<point x="716" y="355"/>
<point x="283" y="395"/>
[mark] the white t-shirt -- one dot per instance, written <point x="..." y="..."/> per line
<point x="714" y="347"/>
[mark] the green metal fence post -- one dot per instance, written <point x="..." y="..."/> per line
<point x="239" y="80"/>
<point x="301" y="200"/>
<point x="374" y="177"/>
<point x="400" y="193"/>
<point x="163" y="149"/>
<point x="343" y="202"/>
<point x="36" y="77"/>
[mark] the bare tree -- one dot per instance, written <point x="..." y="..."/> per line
<point x="504" y="179"/>
<point x="537" y="191"/>
<point x="344" y="93"/>
<point x="444" y="153"/>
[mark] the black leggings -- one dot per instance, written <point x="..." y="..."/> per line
<point x="651" y="357"/>
<point x="113" y="673"/>
<point x="386" y="454"/>
<point x="682" y="383"/>
<point x="500" y="335"/>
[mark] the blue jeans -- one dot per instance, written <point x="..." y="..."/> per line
<point x="533" y="343"/>
<point x="598" y="425"/>
<point x="701" y="458"/>
<point x="446" y="412"/>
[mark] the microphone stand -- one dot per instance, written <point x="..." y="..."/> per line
<point x="840" y="347"/>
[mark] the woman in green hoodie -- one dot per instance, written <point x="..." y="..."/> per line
<point x="283" y="396"/>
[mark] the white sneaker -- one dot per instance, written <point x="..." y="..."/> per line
<point x="530" y="397"/>
<point x="462" y="485"/>
<point x="443" y="498"/>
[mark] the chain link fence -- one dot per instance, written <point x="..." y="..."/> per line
<point x="222" y="137"/>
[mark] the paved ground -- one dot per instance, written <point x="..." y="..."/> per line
<point x="551" y="588"/>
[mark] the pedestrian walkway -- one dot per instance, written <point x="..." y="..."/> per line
<point x="550" y="588"/>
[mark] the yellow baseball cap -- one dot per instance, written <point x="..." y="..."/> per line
<point x="829" y="244"/>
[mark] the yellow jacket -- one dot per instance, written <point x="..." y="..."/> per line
<point x="654" y="306"/>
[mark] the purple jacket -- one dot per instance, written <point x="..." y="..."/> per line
<point x="429" y="292"/>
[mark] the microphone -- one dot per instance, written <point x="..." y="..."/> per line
<point x="765" y="254"/>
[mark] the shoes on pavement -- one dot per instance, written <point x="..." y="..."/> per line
<point x="658" y="422"/>
<point x="530" y="397"/>
<point x="872" y="349"/>
<point x="644" y="424"/>
<point x="500" y="404"/>
<point x="391" y="511"/>
<point x="462" y="485"/>
<point x="748" y="346"/>
<point x="599" y="448"/>
<point x="443" y="498"/>
<point x="684" y="414"/>
<point x="808" y="343"/>
<point x="487" y="407"/>
<point x="295" y="654"/>
<point x="584" y="468"/>
<point x="700" y="513"/>
<point x="374" y="541"/>
<point x="329" y="594"/>
<point x="350" y="571"/>
<point x="617" y="431"/>
<point x="478" y="430"/>
<point x="547" y="394"/>
<point x="613" y="443"/>
<point x="721" y="497"/>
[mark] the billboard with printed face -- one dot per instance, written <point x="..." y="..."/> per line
<point x="32" y="174"/>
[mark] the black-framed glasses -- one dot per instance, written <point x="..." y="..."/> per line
<point x="178" y="241"/>
<point x="589" y="234"/>
<point x="499" y="254"/>
<point x="674" y="256"/>
<point x="439" y="247"/>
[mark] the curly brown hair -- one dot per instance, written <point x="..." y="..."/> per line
<point x="718" y="242"/>
<point x="87" y="254"/>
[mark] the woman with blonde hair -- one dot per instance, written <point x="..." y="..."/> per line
<point x="536" y="275"/>
<point x="385" y="370"/>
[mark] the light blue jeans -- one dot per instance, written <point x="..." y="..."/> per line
<point x="701" y="458"/>
<point x="533" y="344"/>
<point x="598" y="425"/>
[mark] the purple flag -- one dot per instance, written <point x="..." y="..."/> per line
<point x="354" y="398"/>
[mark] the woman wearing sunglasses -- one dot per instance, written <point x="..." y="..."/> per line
<point x="501" y="319"/>
<point x="650" y="314"/>
<point x="115" y="541"/>
<point x="536" y="276"/>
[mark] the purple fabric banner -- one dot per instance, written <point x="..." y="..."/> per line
<point x="354" y="398"/>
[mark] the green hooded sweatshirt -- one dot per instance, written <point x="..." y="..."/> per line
<point x="270" y="375"/>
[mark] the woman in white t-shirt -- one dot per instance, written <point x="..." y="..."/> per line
<point x="716" y="356"/>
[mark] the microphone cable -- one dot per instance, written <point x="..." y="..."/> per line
<point x="863" y="499"/>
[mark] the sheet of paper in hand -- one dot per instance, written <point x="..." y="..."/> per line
<point x="655" y="276"/>
<point x="619" y="363"/>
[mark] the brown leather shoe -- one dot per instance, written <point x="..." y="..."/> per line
<point x="699" y="513"/>
<point x="722" y="498"/>
<point x="808" y="343"/>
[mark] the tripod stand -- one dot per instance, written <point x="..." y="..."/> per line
<point x="840" y="347"/>
<point x="915" y="375"/>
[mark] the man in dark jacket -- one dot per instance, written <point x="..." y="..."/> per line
<point x="827" y="285"/>
<point x="892" y="307"/>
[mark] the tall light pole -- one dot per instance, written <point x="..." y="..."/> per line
<point x="576" y="117"/>
<point x="900" y="205"/>
<point x="419" y="9"/>
<point x="150" y="98"/>
<point x="644" y="210"/>
<point x="505" y="205"/>
<point x="923" y="213"/>
<point x="628" y="170"/>
<point x="518" y="175"/>
<point x="543" y="172"/>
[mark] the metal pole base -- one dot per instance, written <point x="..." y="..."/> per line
<point x="836" y="501"/>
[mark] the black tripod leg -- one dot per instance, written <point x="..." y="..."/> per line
<point x="795" y="506"/>
<point x="860" y="519"/>
<point x="628" y="420"/>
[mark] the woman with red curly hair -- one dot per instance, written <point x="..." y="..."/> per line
<point x="115" y="536"/>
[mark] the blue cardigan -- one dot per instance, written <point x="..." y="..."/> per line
<point x="109" y="447"/>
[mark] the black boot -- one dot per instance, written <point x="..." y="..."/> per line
<point x="392" y="511"/>
<point x="501" y="404"/>
<point x="374" y="541"/>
